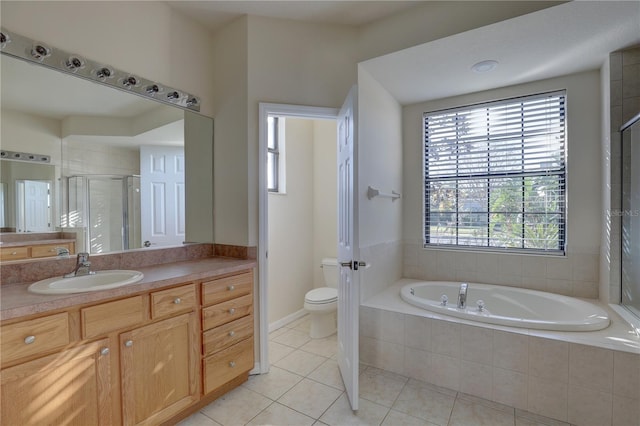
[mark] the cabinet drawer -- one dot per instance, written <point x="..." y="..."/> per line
<point x="228" y="364"/>
<point x="48" y="250"/>
<point x="14" y="253"/>
<point x="225" y="312"/>
<point x="222" y="289"/>
<point x="173" y="300"/>
<point x="35" y="336"/>
<point x="101" y="319"/>
<point x="228" y="334"/>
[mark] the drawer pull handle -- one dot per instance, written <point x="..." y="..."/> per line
<point x="29" y="340"/>
<point x="232" y="333"/>
<point x="128" y="343"/>
<point x="104" y="351"/>
<point x="231" y="287"/>
<point x="232" y="364"/>
<point x="177" y="301"/>
<point x="232" y="311"/>
<point x="13" y="253"/>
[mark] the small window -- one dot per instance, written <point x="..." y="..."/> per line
<point x="275" y="154"/>
<point x="495" y="177"/>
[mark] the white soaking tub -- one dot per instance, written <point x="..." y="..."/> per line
<point x="508" y="306"/>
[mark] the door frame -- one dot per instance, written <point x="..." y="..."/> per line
<point x="265" y="110"/>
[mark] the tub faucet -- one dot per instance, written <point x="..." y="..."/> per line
<point x="83" y="266"/>
<point x="462" y="296"/>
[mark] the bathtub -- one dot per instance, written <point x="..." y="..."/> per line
<point x="508" y="306"/>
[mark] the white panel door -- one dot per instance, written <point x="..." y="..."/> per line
<point x="37" y="207"/>
<point x="348" y="249"/>
<point x="162" y="195"/>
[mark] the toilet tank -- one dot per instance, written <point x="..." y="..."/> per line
<point x="330" y="271"/>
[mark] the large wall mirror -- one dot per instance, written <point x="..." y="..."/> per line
<point x="113" y="167"/>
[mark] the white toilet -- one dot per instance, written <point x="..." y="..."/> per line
<point x="322" y="302"/>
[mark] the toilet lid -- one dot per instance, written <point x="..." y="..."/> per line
<point x="322" y="295"/>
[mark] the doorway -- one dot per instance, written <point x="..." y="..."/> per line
<point x="291" y="193"/>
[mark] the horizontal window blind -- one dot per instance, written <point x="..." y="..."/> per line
<point x="495" y="174"/>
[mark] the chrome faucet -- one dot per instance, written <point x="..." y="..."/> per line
<point x="83" y="266"/>
<point x="462" y="296"/>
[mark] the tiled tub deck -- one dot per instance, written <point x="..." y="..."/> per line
<point x="585" y="378"/>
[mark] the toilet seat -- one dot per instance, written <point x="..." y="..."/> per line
<point x="321" y="296"/>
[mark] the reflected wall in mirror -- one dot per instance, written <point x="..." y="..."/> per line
<point x="103" y="143"/>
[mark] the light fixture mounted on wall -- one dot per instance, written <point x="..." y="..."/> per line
<point x="23" y="48"/>
<point x="485" y="66"/>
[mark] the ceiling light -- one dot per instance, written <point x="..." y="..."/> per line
<point x="485" y="66"/>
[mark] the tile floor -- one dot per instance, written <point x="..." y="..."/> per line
<point x="303" y="387"/>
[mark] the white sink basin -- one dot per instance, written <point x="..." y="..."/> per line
<point x="101" y="280"/>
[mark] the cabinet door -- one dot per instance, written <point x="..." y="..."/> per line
<point x="159" y="368"/>
<point x="72" y="387"/>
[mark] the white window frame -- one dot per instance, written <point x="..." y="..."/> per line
<point x="279" y="152"/>
<point x="454" y="174"/>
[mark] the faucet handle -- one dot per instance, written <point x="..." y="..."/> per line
<point x="83" y="257"/>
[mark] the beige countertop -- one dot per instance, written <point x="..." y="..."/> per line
<point x="16" y="301"/>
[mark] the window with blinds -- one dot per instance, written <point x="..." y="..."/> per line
<point x="495" y="175"/>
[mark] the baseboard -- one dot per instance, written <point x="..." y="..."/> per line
<point x="286" y="320"/>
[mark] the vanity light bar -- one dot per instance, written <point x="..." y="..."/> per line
<point x="23" y="48"/>
<point x="24" y="156"/>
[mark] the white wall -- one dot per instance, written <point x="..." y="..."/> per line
<point x="147" y="38"/>
<point x="380" y="166"/>
<point x="577" y="274"/>
<point x="606" y="263"/>
<point x="325" y="196"/>
<point x="302" y="221"/>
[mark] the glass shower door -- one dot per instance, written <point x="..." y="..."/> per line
<point x="631" y="217"/>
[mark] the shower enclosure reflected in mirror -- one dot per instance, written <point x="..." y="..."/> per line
<point x="631" y="216"/>
<point x="94" y="136"/>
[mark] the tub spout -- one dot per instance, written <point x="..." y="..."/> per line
<point x="462" y="296"/>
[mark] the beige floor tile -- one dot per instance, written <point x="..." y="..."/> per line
<point x="293" y="338"/>
<point x="381" y="387"/>
<point x="278" y="351"/>
<point x="236" y="407"/>
<point x="302" y="324"/>
<point x="278" y="414"/>
<point x="328" y="374"/>
<point x="327" y="346"/>
<point x="396" y="418"/>
<point x="278" y="332"/>
<point x="300" y="362"/>
<point x="522" y="417"/>
<point x="467" y="413"/>
<point x="310" y="398"/>
<point x="495" y="405"/>
<point x="198" y="419"/>
<point x="424" y="402"/>
<point x="273" y="384"/>
<point x="340" y="413"/>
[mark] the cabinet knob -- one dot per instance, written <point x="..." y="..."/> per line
<point x="29" y="340"/>
<point x="232" y="311"/>
<point x="128" y="343"/>
<point x="104" y="351"/>
<point x="232" y="333"/>
<point x="232" y="364"/>
<point x="177" y="300"/>
<point x="13" y="253"/>
<point x="231" y="287"/>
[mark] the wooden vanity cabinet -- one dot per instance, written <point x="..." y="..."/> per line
<point x="227" y="323"/>
<point x="139" y="360"/>
<point x="158" y="367"/>
<point x="72" y="387"/>
<point x="35" y="250"/>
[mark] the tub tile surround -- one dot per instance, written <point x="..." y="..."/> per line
<point x="584" y="378"/>
<point x="576" y="275"/>
<point x="384" y="266"/>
